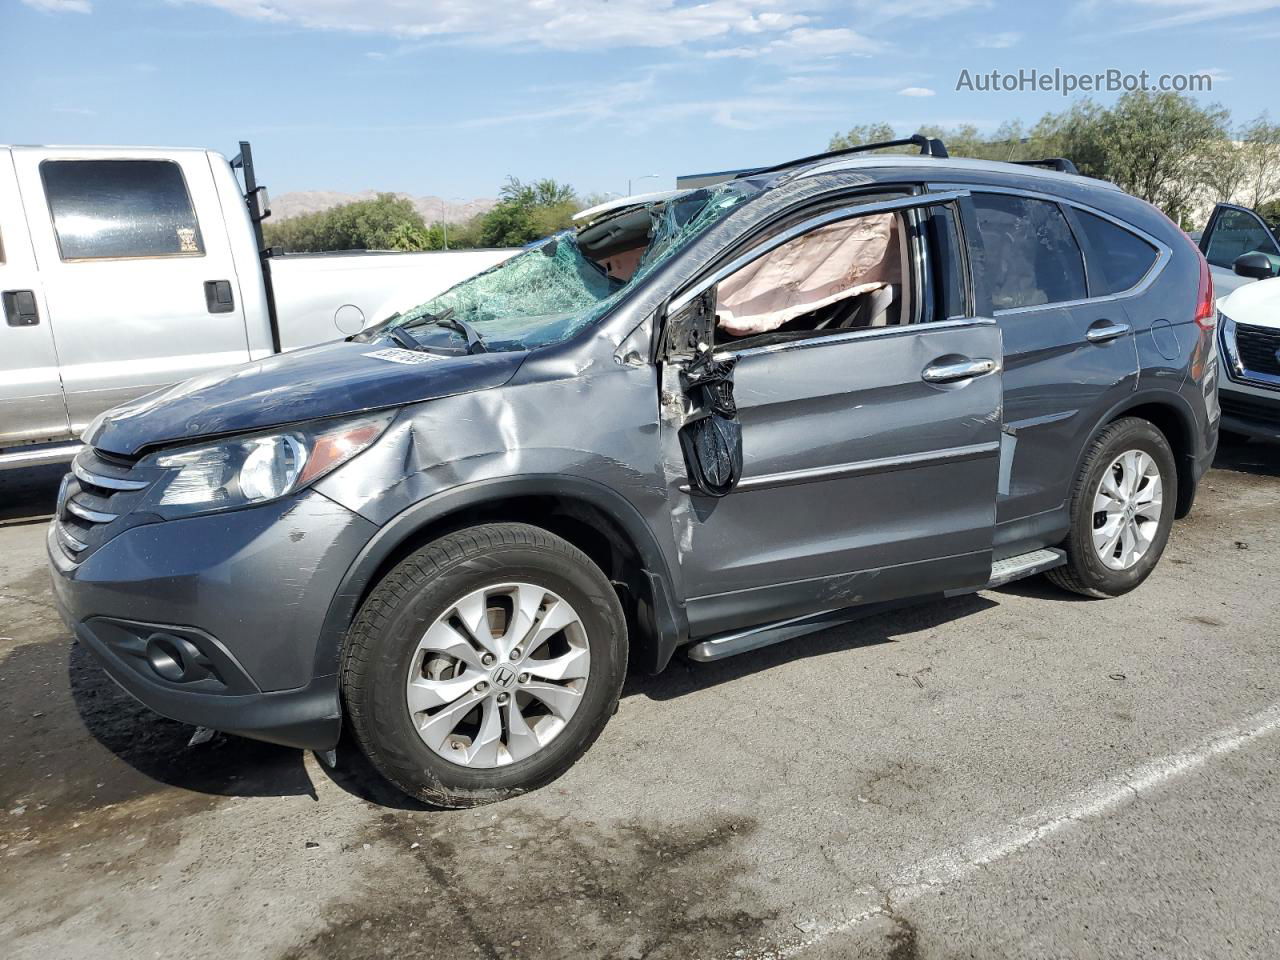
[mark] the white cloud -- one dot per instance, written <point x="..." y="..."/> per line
<point x="998" y="41"/>
<point x="728" y="28"/>
<point x="916" y="92"/>
<point x="805" y="43"/>
<point x="60" y="6"/>
<point x="640" y="104"/>
<point x="1166" y="14"/>
<point x="568" y="24"/>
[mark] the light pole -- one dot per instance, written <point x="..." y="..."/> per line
<point x="638" y="179"/>
<point x="444" y="222"/>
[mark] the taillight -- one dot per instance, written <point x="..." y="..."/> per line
<point x="1206" y="313"/>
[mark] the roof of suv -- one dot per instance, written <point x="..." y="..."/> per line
<point x="897" y="161"/>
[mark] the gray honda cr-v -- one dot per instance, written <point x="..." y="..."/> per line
<point x="710" y="420"/>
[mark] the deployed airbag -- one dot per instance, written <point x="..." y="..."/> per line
<point x="810" y="272"/>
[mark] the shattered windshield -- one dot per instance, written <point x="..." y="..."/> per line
<point x="560" y="285"/>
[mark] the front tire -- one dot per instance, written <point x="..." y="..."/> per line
<point x="484" y="665"/>
<point x="1122" y="507"/>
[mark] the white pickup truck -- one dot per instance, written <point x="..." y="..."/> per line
<point x="123" y="270"/>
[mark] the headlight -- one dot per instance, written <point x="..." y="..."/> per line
<point x="1227" y="331"/>
<point x="255" y="469"/>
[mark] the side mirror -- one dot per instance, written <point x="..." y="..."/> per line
<point x="711" y="438"/>
<point x="1255" y="266"/>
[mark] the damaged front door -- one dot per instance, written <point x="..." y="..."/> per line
<point x="866" y="432"/>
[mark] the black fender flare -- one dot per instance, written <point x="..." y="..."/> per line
<point x="1181" y="408"/>
<point x="669" y="623"/>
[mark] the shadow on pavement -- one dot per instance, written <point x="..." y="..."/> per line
<point x="158" y="747"/>
<point x="29" y="494"/>
<point x="1244" y="456"/>
<point x="684" y="676"/>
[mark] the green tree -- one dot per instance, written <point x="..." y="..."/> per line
<point x="527" y="212"/>
<point x="1154" y="145"/>
<point x="1162" y="147"/>
<point x="386" y="222"/>
<point x="1260" y="147"/>
<point x="861" y="134"/>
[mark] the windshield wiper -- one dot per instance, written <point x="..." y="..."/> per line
<point x="475" y="342"/>
<point x="404" y="338"/>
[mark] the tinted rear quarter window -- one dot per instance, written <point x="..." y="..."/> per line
<point x="1118" y="259"/>
<point x="113" y="209"/>
<point x="1030" y="255"/>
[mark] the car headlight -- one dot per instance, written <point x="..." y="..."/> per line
<point x="1227" y="333"/>
<point x="254" y="469"/>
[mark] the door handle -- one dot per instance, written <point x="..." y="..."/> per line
<point x="20" y="308"/>
<point x="964" y="369"/>
<point x="217" y="296"/>
<point x="1104" y="331"/>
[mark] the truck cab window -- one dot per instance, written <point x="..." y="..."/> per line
<point x="1030" y="255"/>
<point x="118" y="209"/>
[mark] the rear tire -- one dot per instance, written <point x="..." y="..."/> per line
<point x="1118" y="530"/>
<point x="461" y="685"/>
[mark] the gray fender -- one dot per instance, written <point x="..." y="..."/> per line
<point x="669" y="623"/>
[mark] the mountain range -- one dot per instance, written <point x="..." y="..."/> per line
<point x="433" y="209"/>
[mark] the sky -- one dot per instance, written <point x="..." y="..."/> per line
<point x="449" y="97"/>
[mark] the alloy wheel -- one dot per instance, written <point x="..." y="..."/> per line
<point x="498" y="675"/>
<point x="1126" y="509"/>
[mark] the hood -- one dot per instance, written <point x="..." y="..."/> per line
<point x="323" y="381"/>
<point x="1257" y="304"/>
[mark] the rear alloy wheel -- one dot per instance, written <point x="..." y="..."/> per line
<point x="1127" y="509"/>
<point x="1122" y="507"/>
<point x="484" y="664"/>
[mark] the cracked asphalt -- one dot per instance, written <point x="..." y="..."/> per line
<point x="1015" y="773"/>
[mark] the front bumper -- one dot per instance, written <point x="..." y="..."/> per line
<point x="1251" y="413"/>
<point x="213" y="620"/>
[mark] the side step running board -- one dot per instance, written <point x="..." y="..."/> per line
<point x="1025" y="565"/>
<point x="752" y="638"/>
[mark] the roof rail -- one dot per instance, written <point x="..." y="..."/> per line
<point x="929" y="147"/>
<point x="1061" y="164"/>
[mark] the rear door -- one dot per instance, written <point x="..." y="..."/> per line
<point x="1069" y="357"/>
<point x="869" y="451"/>
<point x="137" y="268"/>
<point x="31" y="405"/>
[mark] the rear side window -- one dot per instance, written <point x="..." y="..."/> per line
<point x="1118" y="259"/>
<point x="113" y="209"/>
<point x="1030" y="255"/>
<point x="1235" y="232"/>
